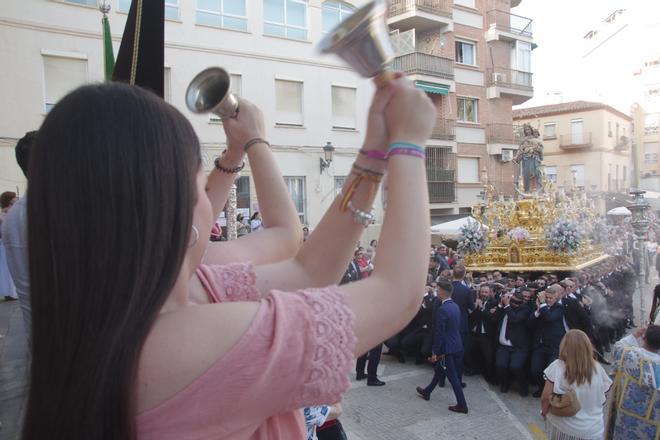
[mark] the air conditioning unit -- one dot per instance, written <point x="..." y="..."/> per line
<point x="507" y="155"/>
<point x="497" y="77"/>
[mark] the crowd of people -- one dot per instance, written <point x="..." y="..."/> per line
<point x="140" y="328"/>
<point x="512" y="328"/>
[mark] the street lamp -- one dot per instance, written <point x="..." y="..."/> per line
<point x="328" y="149"/>
<point x="640" y="223"/>
<point x="104" y="6"/>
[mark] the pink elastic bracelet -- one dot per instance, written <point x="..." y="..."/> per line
<point x="375" y="154"/>
<point x="407" y="152"/>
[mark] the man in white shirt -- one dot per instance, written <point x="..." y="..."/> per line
<point x="14" y="235"/>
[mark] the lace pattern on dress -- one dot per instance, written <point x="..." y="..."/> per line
<point x="333" y="341"/>
<point x="239" y="282"/>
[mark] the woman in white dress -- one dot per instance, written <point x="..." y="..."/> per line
<point x="7" y="288"/>
<point x="576" y="369"/>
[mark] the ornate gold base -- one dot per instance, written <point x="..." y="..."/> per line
<point x="533" y="255"/>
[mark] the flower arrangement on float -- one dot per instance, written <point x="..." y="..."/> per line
<point x="518" y="234"/>
<point x="564" y="236"/>
<point x="471" y="238"/>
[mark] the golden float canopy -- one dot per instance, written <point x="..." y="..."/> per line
<point x="534" y="213"/>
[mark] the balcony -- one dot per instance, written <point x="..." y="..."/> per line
<point x="444" y="130"/>
<point x="421" y="15"/>
<point x="623" y="144"/>
<point x="575" y="141"/>
<point x="419" y="63"/>
<point x="505" y="26"/>
<point x="440" y="173"/>
<point x="509" y="83"/>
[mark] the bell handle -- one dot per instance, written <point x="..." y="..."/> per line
<point x="383" y="78"/>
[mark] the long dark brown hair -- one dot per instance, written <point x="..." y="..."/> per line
<point x="112" y="190"/>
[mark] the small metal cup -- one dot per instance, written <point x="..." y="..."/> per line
<point x="362" y="40"/>
<point x="209" y="92"/>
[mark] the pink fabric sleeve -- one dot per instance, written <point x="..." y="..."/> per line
<point x="308" y="348"/>
<point x="231" y="282"/>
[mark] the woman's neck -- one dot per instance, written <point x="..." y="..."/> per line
<point x="179" y="295"/>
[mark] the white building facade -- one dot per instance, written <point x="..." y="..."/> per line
<point x="49" y="47"/>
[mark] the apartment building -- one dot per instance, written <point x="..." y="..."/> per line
<point x="586" y="143"/>
<point x="646" y="113"/>
<point x="49" y="47"/>
<point x="473" y="57"/>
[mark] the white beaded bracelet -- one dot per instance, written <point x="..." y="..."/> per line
<point x="359" y="216"/>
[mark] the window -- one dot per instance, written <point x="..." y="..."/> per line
<point x="577" y="132"/>
<point x="171" y="8"/>
<point x="84" y="2"/>
<point x="468" y="3"/>
<point x="296" y="186"/>
<point x="343" y="107"/>
<point x="624" y="131"/>
<point x="577" y="173"/>
<point x="521" y="56"/>
<point x="288" y="102"/>
<point x="468" y="170"/>
<point x="466" y="52"/>
<point x="243" y="192"/>
<point x="550" y="130"/>
<point x="333" y="12"/>
<point x="609" y="128"/>
<point x="61" y="75"/>
<point x="285" y="18"/>
<point x="339" y="183"/>
<point x="468" y="110"/>
<point x="551" y="173"/>
<point x="651" y="150"/>
<point x="236" y="87"/>
<point x="617" y="132"/>
<point x="226" y="14"/>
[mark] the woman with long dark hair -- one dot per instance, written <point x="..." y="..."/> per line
<point x="118" y="217"/>
<point x="654" y="316"/>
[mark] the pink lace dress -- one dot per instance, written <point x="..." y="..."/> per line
<point x="296" y="352"/>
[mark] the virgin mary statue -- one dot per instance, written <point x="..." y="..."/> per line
<point x="530" y="158"/>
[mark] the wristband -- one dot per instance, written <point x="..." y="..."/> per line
<point x="232" y="170"/>
<point x="405" y="145"/>
<point x="374" y="154"/>
<point x="406" y="152"/>
<point x="255" y="141"/>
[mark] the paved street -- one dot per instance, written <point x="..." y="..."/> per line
<point x="381" y="413"/>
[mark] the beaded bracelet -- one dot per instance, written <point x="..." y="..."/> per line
<point x="255" y="141"/>
<point x="232" y="170"/>
<point x="360" y="217"/>
<point x="374" y="154"/>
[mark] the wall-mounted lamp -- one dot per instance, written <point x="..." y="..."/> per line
<point x="328" y="149"/>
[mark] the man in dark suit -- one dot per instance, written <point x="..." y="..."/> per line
<point x="513" y="341"/>
<point x="464" y="298"/>
<point x="447" y="349"/>
<point x="551" y="328"/>
<point x="482" y="333"/>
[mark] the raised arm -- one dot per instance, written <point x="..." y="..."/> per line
<point x="399" y="113"/>
<point x="282" y="236"/>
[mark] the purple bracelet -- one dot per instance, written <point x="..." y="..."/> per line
<point x="375" y="154"/>
<point x="407" y="152"/>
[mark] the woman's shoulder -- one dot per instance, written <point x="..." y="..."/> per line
<point x="555" y="371"/>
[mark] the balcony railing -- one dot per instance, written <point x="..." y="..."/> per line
<point x="517" y="79"/>
<point x="423" y="63"/>
<point x="441" y="192"/>
<point x="444" y="129"/>
<point x="511" y="23"/>
<point x="437" y="7"/>
<point x="575" y="140"/>
<point x="502" y="134"/>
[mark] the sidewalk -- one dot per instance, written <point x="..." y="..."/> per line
<point x="13" y="369"/>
